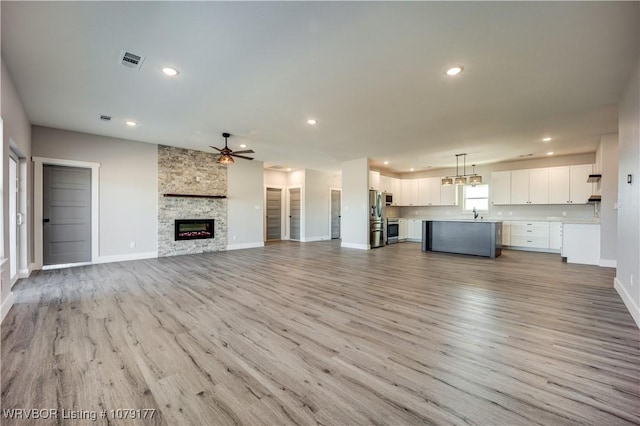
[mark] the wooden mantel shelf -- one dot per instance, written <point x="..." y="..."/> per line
<point x="195" y="196"/>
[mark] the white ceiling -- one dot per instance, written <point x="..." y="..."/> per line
<point x="370" y="72"/>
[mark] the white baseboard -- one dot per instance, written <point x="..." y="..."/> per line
<point x="126" y="257"/>
<point x="355" y="246"/>
<point x="634" y="310"/>
<point x="244" y="246"/>
<point x="608" y="263"/>
<point x="24" y="273"/>
<point x="313" y="239"/>
<point x="6" y="306"/>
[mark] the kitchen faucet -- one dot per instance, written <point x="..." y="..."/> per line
<point x="475" y="214"/>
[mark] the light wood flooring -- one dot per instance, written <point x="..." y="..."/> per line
<point x="315" y="334"/>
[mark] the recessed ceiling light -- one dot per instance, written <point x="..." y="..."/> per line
<point x="546" y="139"/>
<point x="454" y="70"/>
<point x="131" y="123"/>
<point x="312" y="121"/>
<point x="411" y="169"/>
<point x="386" y="163"/>
<point x="171" y="72"/>
<point x="243" y="145"/>
<point x="289" y="169"/>
<point x="550" y="153"/>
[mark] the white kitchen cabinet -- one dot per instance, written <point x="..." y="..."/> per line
<point x="581" y="243"/>
<point x="580" y="190"/>
<point x="500" y="187"/>
<point x="403" y="229"/>
<point x="448" y="194"/>
<point x="374" y="180"/>
<point x="385" y="184"/>
<point x="559" y="178"/>
<point x="410" y="192"/>
<point x="555" y="235"/>
<point x="506" y="233"/>
<point x="414" y="232"/>
<point x="429" y="191"/>
<point x="530" y="186"/>
<point x="568" y="184"/>
<point x="530" y="234"/>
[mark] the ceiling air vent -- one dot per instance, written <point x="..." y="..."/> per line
<point x="131" y="60"/>
<point x="105" y="117"/>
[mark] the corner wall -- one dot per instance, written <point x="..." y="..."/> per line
<point x="245" y="213"/>
<point x="627" y="281"/>
<point x="355" y="198"/>
<point x="16" y="133"/>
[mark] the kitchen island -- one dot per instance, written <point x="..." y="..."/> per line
<point x="473" y="237"/>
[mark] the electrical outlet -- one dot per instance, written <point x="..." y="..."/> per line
<point x="564" y="213"/>
<point x="132" y="244"/>
<point x="499" y="213"/>
<point x="234" y="238"/>
<point x="510" y="213"/>
<point x="631" y="279"/>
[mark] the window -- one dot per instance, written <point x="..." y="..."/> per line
<point x="476" y="196"/>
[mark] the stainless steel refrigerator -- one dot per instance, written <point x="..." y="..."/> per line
<point x="376" y="218"/>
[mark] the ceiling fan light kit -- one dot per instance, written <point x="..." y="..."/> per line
<point x="461" y="179"/>
<point x="226" y="154"/>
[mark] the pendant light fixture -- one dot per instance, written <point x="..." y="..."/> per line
<point x="461" y="179"/>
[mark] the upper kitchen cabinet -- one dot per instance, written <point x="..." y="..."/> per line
<point x="385" y="184"/>
<point x="530" y="186"/>
<point x="410" y="192"/>
<point x="374" y="180"/>
<point x="500" y="187"/>
<point x="568" y="184"/>
<point x="448" y="194"/>
<point x="429" y="191"/>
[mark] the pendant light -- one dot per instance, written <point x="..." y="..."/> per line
<point x="461" y="179"/>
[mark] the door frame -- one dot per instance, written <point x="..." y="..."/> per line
<point x="38" y="191"/>
<point x="283" y="222"/>
<point x="330" y="205"/>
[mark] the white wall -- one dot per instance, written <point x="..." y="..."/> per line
<point x="275" y="179"/>
<point x="317" y="204"/>
<point x="627" y="281"/>
<point x="245" y="211"/>
<point x="16" y="132"/>
<point x="128" y="187"/>
<point x="355" y="198"/>
<point x="607" y="166"/>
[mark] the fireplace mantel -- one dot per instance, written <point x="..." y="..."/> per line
<point x="195" y="196"/>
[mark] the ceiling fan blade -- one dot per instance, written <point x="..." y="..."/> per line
<point x="246" y="151"/>
<point x="215" y="148"/>
<point x="241" y="156"/>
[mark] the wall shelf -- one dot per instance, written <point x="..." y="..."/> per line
<point x="593" y="178"/>
<point x="196" y="196"/>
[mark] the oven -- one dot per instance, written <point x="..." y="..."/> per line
<point x="388" y="198"/>
<point x="393" y="230"/>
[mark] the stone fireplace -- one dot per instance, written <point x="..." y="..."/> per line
<point x="192" y="191"/>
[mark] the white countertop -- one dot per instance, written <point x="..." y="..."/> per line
<point x="594" y="221"/>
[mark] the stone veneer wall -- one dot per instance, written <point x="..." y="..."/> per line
<point x="184" y="171"/>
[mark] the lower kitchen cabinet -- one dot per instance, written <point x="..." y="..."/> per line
<point x="555" y="235"/>
<point x="530" y="234"/>
<point x="506" y="233"/>
<point x="581" y="243"/>
<point x="414" y="230"/>
<point x="403" y="229"/>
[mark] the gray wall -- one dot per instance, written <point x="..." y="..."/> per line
<point x="245" y="216"/>
<point x="128" y="186"/>
<point x="355" y="199"/>
<point x="16" y="130"/>
<point x="628" y="272"/>
<point x="607" y="165"/>
<point x="317" y="200"/>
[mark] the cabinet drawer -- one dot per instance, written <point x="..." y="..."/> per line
<point x="533" y="242"/>
<point x="530" y="229"/>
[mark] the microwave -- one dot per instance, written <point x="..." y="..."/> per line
<point x="388" y="198"/>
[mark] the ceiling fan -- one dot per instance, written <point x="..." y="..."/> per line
<point x="226" y="154"/>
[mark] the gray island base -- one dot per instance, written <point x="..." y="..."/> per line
<point x="478" y="238"/>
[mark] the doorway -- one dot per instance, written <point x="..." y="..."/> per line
<point x="336" y="196"/>
<point x="66" y="215"/>
<point x="274" y="214"/>
<point x="294" y="213"/>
